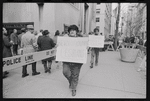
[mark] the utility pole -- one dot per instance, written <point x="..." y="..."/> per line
<point x="117" y="24"/>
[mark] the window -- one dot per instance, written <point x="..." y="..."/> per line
<point x="97" y="11"/>
<point x="97" y="19"/>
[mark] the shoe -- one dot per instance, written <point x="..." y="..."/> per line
<point x="91" y="66"/>
<point x="36" y="73"/>
<point x="46" y="71"/>
<point x="24" y="75"/>
<point x="49" y="71"/>
<point x="73" y="92"/>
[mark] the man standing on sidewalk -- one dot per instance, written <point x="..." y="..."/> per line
<point x="95" y="51"/>
<point x="6" y="48"/>
<point x="14" y="38"/>
<point x="28" y="44"/>
<point x="23" y="30"/>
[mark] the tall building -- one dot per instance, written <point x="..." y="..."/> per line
<point x="50" y="16"/>
<point x="123" y="19"/>
<point x="103" y="18"/>
<point x="113" y="19"/>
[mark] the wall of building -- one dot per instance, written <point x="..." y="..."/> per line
<point x="50" y="16"/>
<point x="21" y="12"/>
<point x="101" y="24"/>
<point x="105" y="18"/>
<point x="66" y="13"/>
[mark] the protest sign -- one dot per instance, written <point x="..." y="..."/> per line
<point x="72" y="49"/>
<point x="96" y="41"/>
<point x="72" y="41"/>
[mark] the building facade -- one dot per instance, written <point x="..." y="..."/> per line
<point x="49" y="16"/>
<point x="113" y="20"/>
<point x="103" y="18"/>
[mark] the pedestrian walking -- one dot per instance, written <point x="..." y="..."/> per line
<point x="28" y="44"/>
<point x="55" y="41"/>
<point x="71" y="70"/>
<point x="95" y="51"/>
<point x="6" y="48"/>
<point x="14" y="38"/>
<point x="46" y="43"/>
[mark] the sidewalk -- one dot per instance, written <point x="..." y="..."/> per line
<point x="110" y="79"/>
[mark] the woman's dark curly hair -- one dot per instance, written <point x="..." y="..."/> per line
<point x="74" y="27"/>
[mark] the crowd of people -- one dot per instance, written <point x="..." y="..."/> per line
<point x="31" y="41"/>
<point x="134" y="39"/>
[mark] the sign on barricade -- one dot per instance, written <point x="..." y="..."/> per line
<point x="72" y="49"/>
<point x="96" y="41"/>
<point x="20" y="60"/>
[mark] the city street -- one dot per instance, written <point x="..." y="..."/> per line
<point x="112" y="78"/>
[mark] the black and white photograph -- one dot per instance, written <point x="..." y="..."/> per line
<point x="74" y="50"/>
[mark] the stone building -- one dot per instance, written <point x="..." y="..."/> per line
<point x="50" y="16"/>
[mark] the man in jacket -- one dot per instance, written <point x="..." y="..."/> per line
<point x="6" y="47"/>
<point x="14" y="38"/>
<point x="28" y="44"/>
<point x="23" y="30"/>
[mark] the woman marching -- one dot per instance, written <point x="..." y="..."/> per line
<point x="71" y="70"/>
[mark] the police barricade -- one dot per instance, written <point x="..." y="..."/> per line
<point x="20" y="60"/>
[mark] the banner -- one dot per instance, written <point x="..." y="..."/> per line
<point x="20" y="60"/>
<point x="72" y="49"/>
<point x="96" y="41"/>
